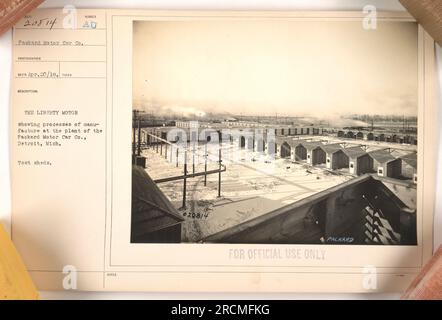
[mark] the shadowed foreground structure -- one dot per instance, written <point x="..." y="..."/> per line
<point x="154" y="219"/>
<point x="360" y="211"/>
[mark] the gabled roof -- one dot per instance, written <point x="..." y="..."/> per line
<point x="410" y="159"/>
<point x="240" y="232"/>
<point x="310" y="145"/>
<point x="397" y="153"/>
<point x="151" y="209"/>
<point x="354" y="152"/>
<point x="382" y="156"/>
<point x="332" y="147"/>
<point x="293" y="142"/>
<point x="282" y="139"/>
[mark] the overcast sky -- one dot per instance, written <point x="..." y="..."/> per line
<point x="267" y="67"/>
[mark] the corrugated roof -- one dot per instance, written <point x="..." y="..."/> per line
<point x="382" y="156"/>
<point x="151" y="210"/>
<point x="410" y="159"/>
<point x="354" y="152"/>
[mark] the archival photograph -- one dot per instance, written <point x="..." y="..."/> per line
<point x="274" y="132"/>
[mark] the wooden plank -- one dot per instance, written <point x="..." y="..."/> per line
<point x="13" y="10"/>
<point x="429" y="14"/>
<point x="15" y="281"/>
<point x="428" y="284"/>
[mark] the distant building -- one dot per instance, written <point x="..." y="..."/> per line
<point x="283" y="131"/>
<point x="350" y="134"/>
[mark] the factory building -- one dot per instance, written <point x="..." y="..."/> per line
<point x="270" y="146"/>
<point x="297" y="131"/>
<point x="385" y="164"/>
<point x="409" y="166"/>
<point x="315" y="154"/>
<point x="259" y="140"/>
<point x="300" y="151"/>
<point x="285" y="150"/>
<point x="335" y="157"/>
<point x="359" y="160"/>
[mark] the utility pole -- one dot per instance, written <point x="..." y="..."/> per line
<point x="155" y="141"/>
<point x="177" y="156"/>
<point x="403" y="124"/>
<point x="205" y="165"/>
<point x="193" y="158"/>
<point x="185" y="180"/>
<point x="134" y="118"/>
<point x="219" y="174"/>
<point x="139" y="138"/>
